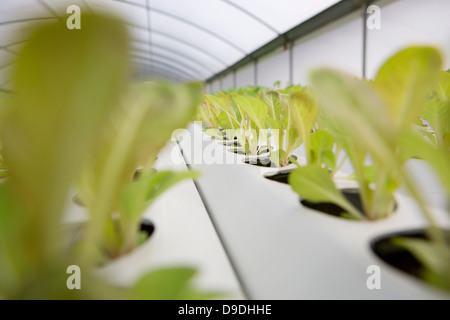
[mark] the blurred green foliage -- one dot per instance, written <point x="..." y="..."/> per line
<point x="74" y="116"/>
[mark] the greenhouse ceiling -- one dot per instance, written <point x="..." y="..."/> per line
<point x="175" y="39"/>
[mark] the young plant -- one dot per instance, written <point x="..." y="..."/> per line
<point x="304" y="110"/>
<point x="437" y="113"/>
<point x="3" y="168"/>
<point x="230" y="119"/>
<point x="209" y="115"/>
<point x="368" y="121"/>
<point x="251" y="90"/>
<point x="377" y="120"/>
<point x="253" y="122"/>
<point x="284" y="136"/>
<point x="63" y="94"/>
<point x="141" y="127"/>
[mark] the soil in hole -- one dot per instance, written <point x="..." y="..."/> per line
<point x="147" y="227"/>
<point x="281" y="177"/>
<point x="223" y="138"/>
<point x="235" y="150"/>
<point x="265" y="162"/>
<point x="78" y="232"/>
<point x="351" y="195"/>
<point x="399" y="257"/>
<point x="138" y="173"/>
<point x="77" y="199"/>
<point x="260" y="162"/>
<point x="234" y="144"/>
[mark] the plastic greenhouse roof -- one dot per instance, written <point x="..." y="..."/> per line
<point x="175" y="39"/>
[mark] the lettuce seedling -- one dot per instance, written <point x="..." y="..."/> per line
<point x="137" y="132"/>
<point x="304" y="110"/>
<point x="209" y="114"/>
<point x="230" y="119"/>
<point x="369" y="119"/>
<point x="62" y="95"/>
<point x="250" y="90"/>
<point x="437" y="113"/>
<point x="253" y="122"/>
<point x="377" y="120"/>
<point x="279" y="121"/>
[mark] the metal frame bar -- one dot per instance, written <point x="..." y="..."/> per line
<point x="188" y="58"/>
<point x="161" y="71"/>
<point x="291" y="63"/>
<point x="8" y="64"/>
<point x="13" y="44"/>
<point x="27" y="20"/>
<point x="255" y="72"/>
<point x="364" y="40"/>
<point x="162" y="59"/>
<point x="169" y="59"/>
<point x="169" y="66"/>
<point x="9" y="50"/>
<point x="333" y="13"/>
<point x="157" y="74"/>
<point x="199" y="49"/>
<point x="251" y="15"/>
<point x="147" y="3"/>
<point x="48" y="8"/>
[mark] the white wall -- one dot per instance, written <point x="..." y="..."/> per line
<point x="215" y="86"/>
<point x="274" y="67"/>
<point x="405" y="23"/>
<point x="227" y="81"/>
<point x="245" y="75"/>
<point x="338" y="45"/>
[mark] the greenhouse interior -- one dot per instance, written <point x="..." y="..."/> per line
<point x="224" y="150"/>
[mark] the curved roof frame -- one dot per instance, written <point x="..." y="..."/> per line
<point x="175" y="52"/>
<point x="194" y="57"/>
<point x="167" y="65"/>
<point x="192" y="24"/>
<point x="7" y="64"/>
<point x="198" y="63"/>
<point x="166" y="35"/>
<point x="251" y="15"/>
<point x="162" y="71"/>
<point x="26" y="20"/>
<point x="170" y="60"/>
<point x="5" y="47"/>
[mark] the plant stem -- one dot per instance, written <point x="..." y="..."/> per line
<point x="433" y="232"/>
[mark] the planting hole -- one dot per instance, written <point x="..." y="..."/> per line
<point x="397" y="256"/>
<point x="281" y="177"/>
<point x="147" y="227"/>
<point x="266" y="163"/>
<point x="352" y="195"/>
